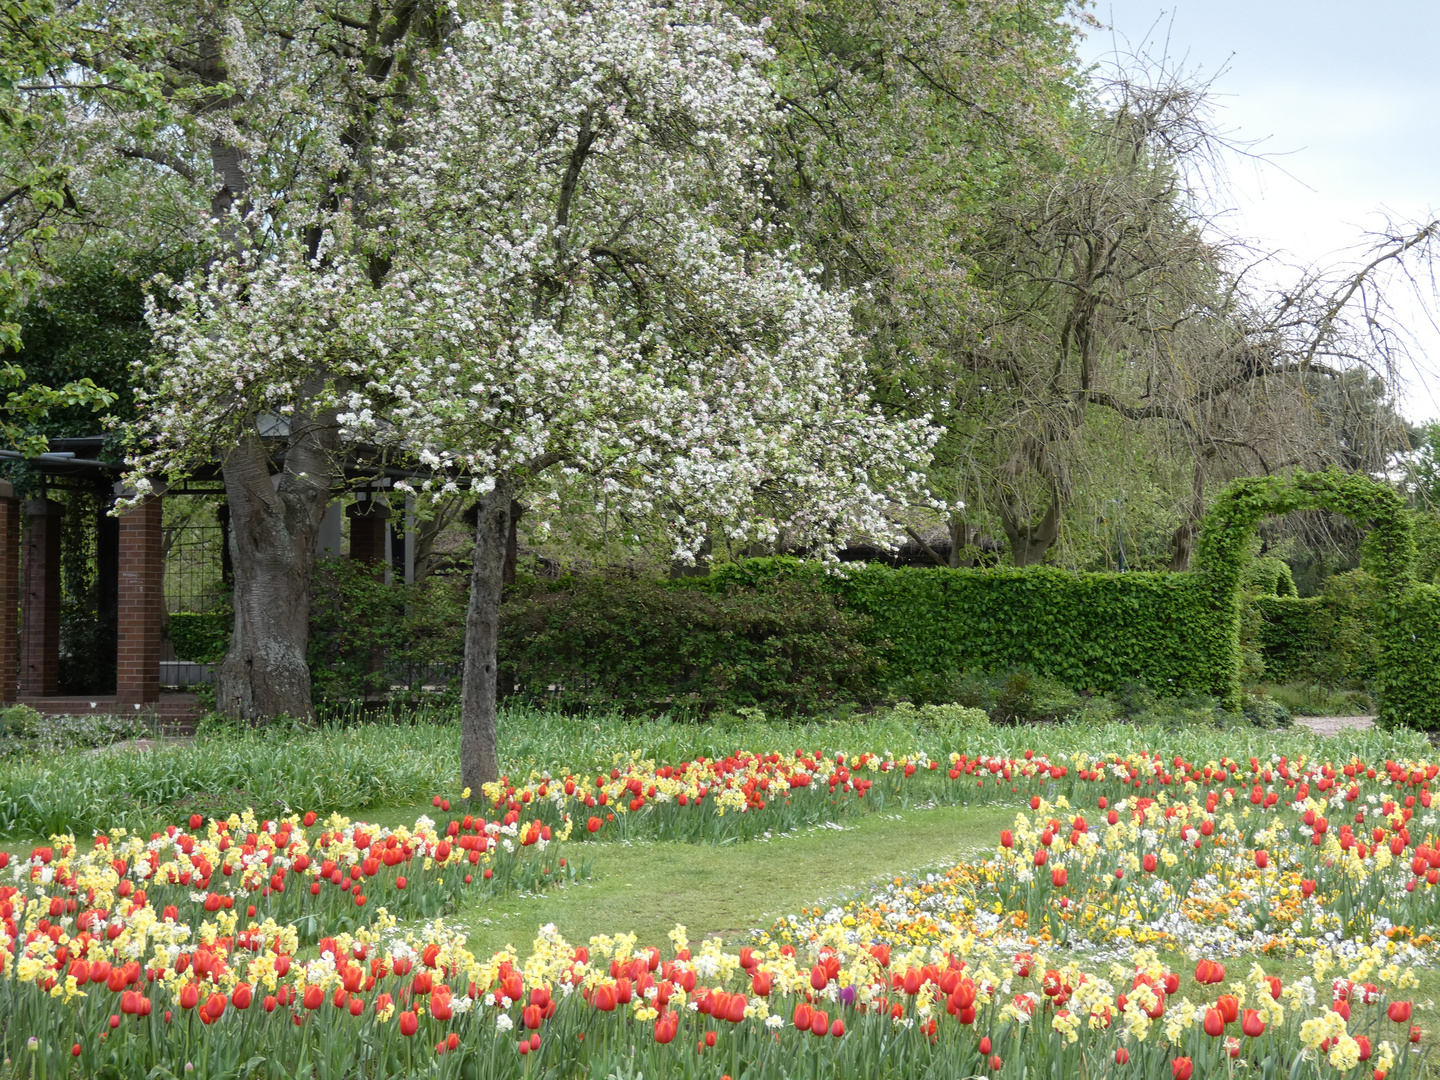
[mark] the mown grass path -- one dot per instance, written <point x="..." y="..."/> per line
<point x="727" y="890"/>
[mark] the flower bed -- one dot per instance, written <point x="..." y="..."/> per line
<point x="1255" y="865"/>
<point x="316" y="878"/>
<point x="1037" y="959"/>
<point x="387" y="1003"/>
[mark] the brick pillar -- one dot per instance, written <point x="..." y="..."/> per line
<point x="137" y="660"/>
<point x="9" y="592"/>
<point x="40" y="595"/>
<point x="367" y="530"/>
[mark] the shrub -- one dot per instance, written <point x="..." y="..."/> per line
<point x="1086" y="631"/>
<point x="1269" y="576"/>
<point x="201" y="637"/>
<point x="367" y="637"/>
<point x="24" y="731"/>
<point x="1408" y="662"/>
<point x="639" y="645"/>
<point x="1329" y="639"/>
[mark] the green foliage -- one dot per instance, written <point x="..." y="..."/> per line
<point x="201" y="637"/>
<point x="1088" y="630"/>
<point x="1269" y="576"/>
<point x="24" y="731"/>
<point x="1288" y="636"/>
<point x="1313" y="699"/>
<point x="1328" y="639"/>
<point x="1410" y="659"/>
<point x="366" y="637"/>
<point x="1400" y="621"/>
<point x="950" y="718"/>
<point x="641" y="645"/>
<point x="1427" y="547"/>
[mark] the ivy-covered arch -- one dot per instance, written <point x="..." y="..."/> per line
<point x="1409" y="614"/>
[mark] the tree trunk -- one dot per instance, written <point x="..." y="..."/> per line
<point x="273" y="524"/>
<point x="479" y="754"/>
<point x="1029" y="544"/>
<point x="1182" y="543"/>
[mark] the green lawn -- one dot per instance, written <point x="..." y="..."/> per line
<point x="646" y="888"/>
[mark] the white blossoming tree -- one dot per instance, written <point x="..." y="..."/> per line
<point x="585" y="301"/>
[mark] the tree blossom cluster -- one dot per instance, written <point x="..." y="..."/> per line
<point x="583" y="296"/>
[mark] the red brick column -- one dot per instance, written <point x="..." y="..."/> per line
<point x="137" y="661"/>
<point x="367" y="530"/>
<point x="40" y="595"/>
<point x="9" y="592"/>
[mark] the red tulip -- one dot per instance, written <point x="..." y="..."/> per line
<point x="1181" y="1068"/>
<point x="1252" y="1024"/>
<point x="1262" y="860"/>
<point x="313" y="997"/>
<point x="1229" y="1007"/>
<point x="1208" y="972"/>
<point x="818" y="978"/>
<point x="819" y="1023"/>
<point x="1122" y="1056"/>
<point x="409" y="1023"/>
<point x="1149" y="863"/>
<point x="1214" y="1023"/>
<point x="1058" y="877"/>
<point x="1399" y="1011"/>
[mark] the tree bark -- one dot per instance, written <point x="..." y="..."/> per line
<point x="1029" y="544"/>
<point x="1182" y="543"/>
<point x="273" y="524"/>
<point x="479" y="754"/>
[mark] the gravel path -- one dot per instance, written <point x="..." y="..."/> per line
<point x="1333" y="725"/>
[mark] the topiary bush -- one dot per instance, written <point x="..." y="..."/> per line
<point x="1401" y="616"/>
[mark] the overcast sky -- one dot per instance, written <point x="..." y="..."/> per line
<point x="1347" y="99"/>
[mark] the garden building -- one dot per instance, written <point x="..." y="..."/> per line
<point x="87" y="596"/>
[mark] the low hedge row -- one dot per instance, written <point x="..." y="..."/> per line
<point x="643" y="645"/>
<point x="1089" y="630"/>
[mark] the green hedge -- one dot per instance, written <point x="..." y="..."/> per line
<point x="1091" y="631"/>
<point x="201" y="636"/>
<point x="642" y="645"/>
<point x="1292" y="639"/>
<point x="1409" y="669"/>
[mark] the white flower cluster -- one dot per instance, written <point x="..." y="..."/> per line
<point x="584" y="299"/>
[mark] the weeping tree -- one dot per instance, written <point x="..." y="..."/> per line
<point x="586" y="306"/>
